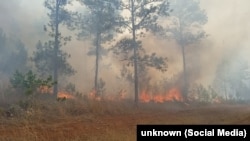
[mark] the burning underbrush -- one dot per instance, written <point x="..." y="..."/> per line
<point x="172" y="95"/>
<point x="43" y="105"/>
<point x="62" y="94"/>
<point x="198" y="94"/>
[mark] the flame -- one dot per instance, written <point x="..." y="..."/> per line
<point x="172" y="95"/>
<point x="44" y="90"/>
<point x="158" y="98"/>
<point x="93" y="95"/>
<point x="144" y="97"/>
<point x="61" y="94"/>
<point x="65" y="95"/>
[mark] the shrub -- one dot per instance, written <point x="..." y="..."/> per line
<point x="29" y="83"/>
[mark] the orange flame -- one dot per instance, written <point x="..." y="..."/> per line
<point x="144" y="97"/>
<point x="65" y="95"/>
<point x="172" y="95"/>
<point x="61" y="94"/>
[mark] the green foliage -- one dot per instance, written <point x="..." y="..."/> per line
<point x="43" y="58"/>
<point x="58" y="14"/>
<point x="101" y="17"/>
<point x="29" y="83"/>
<point x="99" y="23"/>
<point x="154" y="61"/>
<point x="145" y="14"/>
<point x="142" y="16"/>
<point x="64" y="16"/>
<point x="124" y="50"/>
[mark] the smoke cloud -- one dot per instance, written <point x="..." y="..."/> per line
<point x="228" y="28"/>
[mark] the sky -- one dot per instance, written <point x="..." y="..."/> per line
<point x="228" y="28"/>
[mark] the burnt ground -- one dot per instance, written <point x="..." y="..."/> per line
<point x="116" y="122"/>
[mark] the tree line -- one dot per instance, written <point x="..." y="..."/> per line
<point x="102" y="21"/>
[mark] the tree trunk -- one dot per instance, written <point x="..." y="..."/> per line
<point x="225" y="90"/>
<point x="55" y="73"/>
<point x="135" y="56"/>
<point x="185" y="84"/>
<point x="97" y="63"/>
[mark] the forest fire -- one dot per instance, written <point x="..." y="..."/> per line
<point x="93" y="95"/>
<point x="172" y="95"/>
<point x="121" y="96"/>
<point x="66" y="95"/>
<point x="44" y="90"/>
<point x="61" y="94"/>
<point x="145" y="97"/>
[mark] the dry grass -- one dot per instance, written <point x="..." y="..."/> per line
<point x="88" y="120"/>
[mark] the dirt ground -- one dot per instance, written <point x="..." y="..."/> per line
<point x="119" y="126"/>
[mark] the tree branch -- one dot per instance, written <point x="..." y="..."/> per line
<point x="144" y="17"/>
<point x="127" y="26"/>
<point x="145" y="4"/>
<point x="125" y="6"/>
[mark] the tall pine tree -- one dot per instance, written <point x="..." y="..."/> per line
<point x="138" y="17"/>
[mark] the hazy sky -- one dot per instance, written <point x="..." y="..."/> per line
<point x="228" y="28"/>
<point x="225" y="17"/>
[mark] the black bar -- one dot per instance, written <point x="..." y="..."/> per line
<point x="193" y="132"/>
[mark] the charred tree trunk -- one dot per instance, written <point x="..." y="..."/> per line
<point x="136" y="87"/>
<point x="97" y="63"/>
<point x="56" y="48"/>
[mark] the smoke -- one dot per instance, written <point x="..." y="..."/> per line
<point x="228" y="38"/>
<point x="23" y="20"/>
<point x="228" y="28"/>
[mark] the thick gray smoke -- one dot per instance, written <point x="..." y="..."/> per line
<point x="228" y="28"/>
